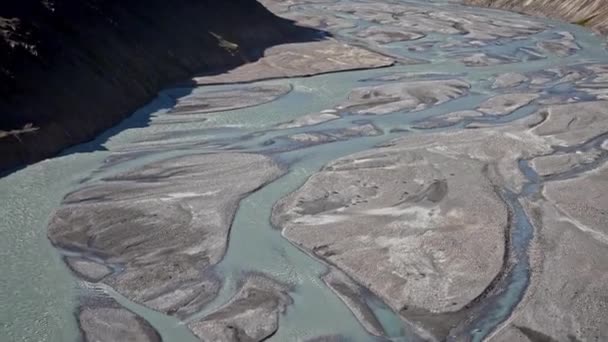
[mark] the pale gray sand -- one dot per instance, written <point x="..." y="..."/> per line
<point x="403" y="96"/>
<point x="311" y="119"/>
<point x="505" y="104"/>
<point x="88" y="270"/>
<point x="448" y="119"/>
<point x="201" y="101"/>
<point x="322" y="137"/>
<point x="102" y="319"/>
<point x="573" y="124"/>
<point x="556" y="164"/>
<point x="385" y="35"/>
<point x="302" y="59"/>
<point x="350" y="211"/>
<point x="566" y="301"/>
<point x="394" y="218"/>
<point x="583" y="201"/>
<point x="163" y="225"/>
<point x="353" y="295"/>
<point x="510" y="79"/>
<point x="251" y="315"/>
<point x="481" y="59"/>
<point x="563" y="46"/>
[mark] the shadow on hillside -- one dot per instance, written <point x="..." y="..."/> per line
<point x="77" y="69"/>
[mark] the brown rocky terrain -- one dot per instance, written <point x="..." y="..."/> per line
<point x="590" y="13"/>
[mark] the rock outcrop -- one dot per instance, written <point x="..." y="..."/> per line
<point x="590" y="13"/>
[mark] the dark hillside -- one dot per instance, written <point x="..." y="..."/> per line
<point x="72" y="68"/>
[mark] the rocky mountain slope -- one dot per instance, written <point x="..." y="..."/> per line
<point x="70" y="68"/>
<point x="590" y="13"/>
